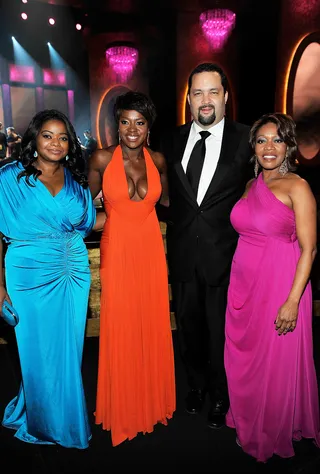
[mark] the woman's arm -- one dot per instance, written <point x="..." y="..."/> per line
<point x="305" y="209"/>
<point x="100" y="221"/>
<point x="1" y="260"/>
<point x="97" y="165"/>
<point x="3" y="292"/>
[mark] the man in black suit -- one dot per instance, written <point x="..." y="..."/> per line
<point x="203" y="188"/>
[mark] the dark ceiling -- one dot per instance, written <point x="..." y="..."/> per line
<point x="126" y="6"/>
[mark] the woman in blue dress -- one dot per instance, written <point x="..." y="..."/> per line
<point x="46" y="210"/>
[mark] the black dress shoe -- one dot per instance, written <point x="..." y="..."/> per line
<point x="217" y="414"/>
<point x="194" y="401"/>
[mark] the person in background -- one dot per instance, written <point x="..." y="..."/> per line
<point x="46" y="210"/>
<point x="136" y="380"/>
<point x="89" y="146"/>
<point x="208" y="167"/>
<point x="3" y="143"/>
<point x="13" y="142"/>
<point x="269" y="362"/>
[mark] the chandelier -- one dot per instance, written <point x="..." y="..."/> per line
<point x="122" y="60"/>
<point x="217" y="26"/>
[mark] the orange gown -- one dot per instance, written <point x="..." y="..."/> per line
<point x="136" y="380"/>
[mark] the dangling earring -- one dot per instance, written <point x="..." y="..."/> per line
<point x="35" y="154"/>
<point x="67" y="157"/>
<point x="284" y="167"/>
<point x="256" y="167"/>
<point x="119" y="137"/>
<point x="148" y="138"/>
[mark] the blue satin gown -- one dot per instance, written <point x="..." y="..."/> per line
<point x="48" y="281"/>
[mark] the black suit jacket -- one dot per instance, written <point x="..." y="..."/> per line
<point x="203" y="234"/>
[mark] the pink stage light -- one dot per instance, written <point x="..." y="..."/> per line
<point x="70" y="94"/>
<point x="54" y="77"/>
<point x="24" y="1"/>
<point x="123" y="60"/>
<point x="307" y="8"/>
<point x="19" y="73"/>
<point x="78" y="26"/>
<point x="217" y="26"/>
<point x="52" y="21"/>
<point x="24" y="16"/>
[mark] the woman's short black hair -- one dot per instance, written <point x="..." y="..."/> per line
<point x="286" y="129"/>
<point x="75" y="162"/>
<point x="135" y="101"/>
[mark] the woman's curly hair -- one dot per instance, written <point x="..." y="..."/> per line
<point x="75" y="162"/>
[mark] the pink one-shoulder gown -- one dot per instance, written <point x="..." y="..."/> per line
<point x="271" y="379"/>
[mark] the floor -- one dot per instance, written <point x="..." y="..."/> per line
<point x="186" y="445"/>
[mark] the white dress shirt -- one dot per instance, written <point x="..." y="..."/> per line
<point x="213" y="148"/>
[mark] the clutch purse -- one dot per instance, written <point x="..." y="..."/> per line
<point x="9" y="314"/>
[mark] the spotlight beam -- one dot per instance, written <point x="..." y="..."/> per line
<point x="21" y="56"/>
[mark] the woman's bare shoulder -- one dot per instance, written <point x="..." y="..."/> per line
<point x="102" y="157"/>
<point x="296" y="184"/>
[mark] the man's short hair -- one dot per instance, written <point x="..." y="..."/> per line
<point x="209" y="67"/>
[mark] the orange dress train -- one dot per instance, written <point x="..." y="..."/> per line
<point x="136" y="380"/>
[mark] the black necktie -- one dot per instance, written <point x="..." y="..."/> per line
<point x="196" y="161"/>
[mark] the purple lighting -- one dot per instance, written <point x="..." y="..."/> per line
<point x="18" y="73"/>
<point x="123" y="60"/>
<point x="24" y="16"/>
<point x="71" y="104"/>
<point x="217" y="26"/>
<point x="54" y="77"/>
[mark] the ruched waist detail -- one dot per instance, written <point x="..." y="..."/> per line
<point x="259" y="240"/>
<point x="60" y="250"/>
<point x="54" y="236"/>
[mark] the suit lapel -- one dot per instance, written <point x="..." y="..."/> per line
<point x="181" y="144"/>
<point x="228" y="150"/>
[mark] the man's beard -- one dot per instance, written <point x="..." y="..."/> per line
<point x="206" y="120"/>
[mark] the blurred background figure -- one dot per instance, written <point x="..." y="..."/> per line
<point x="3" y="143"/>
<point x="89" y="146"/>
<point x="13" y="142"/>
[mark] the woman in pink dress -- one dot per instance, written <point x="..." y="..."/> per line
<point x="269" y="349"/>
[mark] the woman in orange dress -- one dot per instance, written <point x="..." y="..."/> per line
<point x="136" y="384"/>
